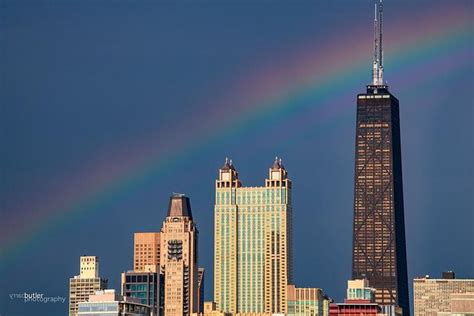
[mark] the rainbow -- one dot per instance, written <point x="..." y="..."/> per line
<point x="308" y="78"/>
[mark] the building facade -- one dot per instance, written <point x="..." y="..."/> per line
<point x="146" y="250"/>
<point x="210" y="309"/>
<point x="179" y="237"/>
<point x="305" y="302"/>
<point x="462" y="304"/>
<point x="360" y="301"/>
<point x="378" y="251"/>
<point x="86" y="283"/>
<point x="145" y="287"/>
<point x="360" y="290"/>
<point x="106" y="302"/>
<point x="355" y="308"/>
<point x="252" y="242"/>
<point x="433" y="296"/>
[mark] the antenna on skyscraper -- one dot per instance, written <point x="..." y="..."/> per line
<point x="377" y="71"/>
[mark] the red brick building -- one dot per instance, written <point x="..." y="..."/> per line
<point x="355" y="307"/>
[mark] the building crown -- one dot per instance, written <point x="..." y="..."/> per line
<point x="228" y="165"/>
<point x="179" y="206"/>
<point x="277" y="164"/>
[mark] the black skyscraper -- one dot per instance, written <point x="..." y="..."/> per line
<point x="378" y="251"/>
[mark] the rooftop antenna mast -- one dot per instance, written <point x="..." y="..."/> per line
<point x="377" y="71"/>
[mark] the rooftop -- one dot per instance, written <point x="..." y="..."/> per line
<point x="179" y="206"/>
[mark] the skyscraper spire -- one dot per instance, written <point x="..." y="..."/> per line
<point x="377" y="71"/>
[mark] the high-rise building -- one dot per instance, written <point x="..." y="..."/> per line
<point x="433" y="296"/>
<point x="252" y="242"/>
<point x="146" y="250"/>
<point x="106" y="302"/>
<point x="145" y="286"/>
<point x="379" y="252"/>
<point x="179" y="237"/>
<point x="143" y="282"/>
<point x="86" y="283"/>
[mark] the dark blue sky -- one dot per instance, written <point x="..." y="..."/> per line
<point x="80" y="80"/>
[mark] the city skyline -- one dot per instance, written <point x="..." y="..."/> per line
<point x="95" y="179"/>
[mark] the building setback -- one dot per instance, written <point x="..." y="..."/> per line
<point x="378" y="251"/>
<point x="107" y="303"/>
<point x="86" y="283"/>
<point x="146" y="250"/>
<point x="252" y="242"/>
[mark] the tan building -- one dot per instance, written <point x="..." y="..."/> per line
<point x="252" y="242"/>
<point x="461" y="305"/>
<point x="178" y="261"/>
<point x="210" y="309"/>
<point x="146" y="250"/>
<point x="360" y="290"/>
<point x="107" y="302"/>
<point x="433" y="296"/>
<point x="85" y="284"/>
<point x="306" y="302"/>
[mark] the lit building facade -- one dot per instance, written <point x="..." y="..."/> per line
<point x="210" y="309"/>
<point x="462" y="304"/>
<point x="379" y="250"/>
<point x="146" y="250"/>
<point x="433" y="296"/>
<point x="85" y="284"/>
<point x="305" y="301"/>
<point x="252" y="242"/>
<point x="107" y="303"/>
<point x="360" y="290"/>
<point x="179" y="237"/>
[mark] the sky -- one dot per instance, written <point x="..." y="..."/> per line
<point x="108" y="107"/>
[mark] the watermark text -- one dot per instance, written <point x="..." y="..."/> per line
<point x="37" y="298"/>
